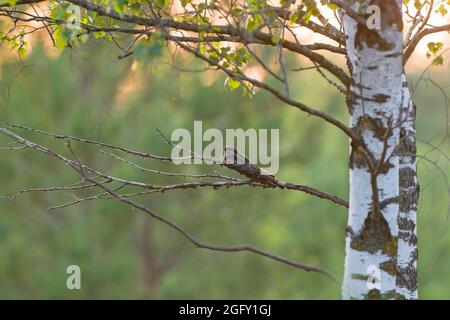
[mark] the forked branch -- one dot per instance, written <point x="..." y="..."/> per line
<point x="91" y="176"/>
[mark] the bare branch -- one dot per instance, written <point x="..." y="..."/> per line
<point x="71" y="187"/>
<point x="221" y="32"/>
<point x="349" y="11"/>
<point x="276" y="93"/>
<point x="83" y="170"/>
<point x="87" y="141"/>
<point x="228" y="182"/>
<point x="419" y="36"/>
<point x="214" y="247"/>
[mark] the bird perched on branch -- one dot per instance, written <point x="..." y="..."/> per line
<point x="234" y="160"/>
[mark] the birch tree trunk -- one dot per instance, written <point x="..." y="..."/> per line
<point x="381" y="242"/>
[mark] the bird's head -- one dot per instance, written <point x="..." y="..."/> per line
<point x="232" y="156"/>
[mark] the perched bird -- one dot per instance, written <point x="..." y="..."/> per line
<point x="234" y="160"/>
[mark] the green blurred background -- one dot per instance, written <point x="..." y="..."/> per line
<point x="124" y="254"/>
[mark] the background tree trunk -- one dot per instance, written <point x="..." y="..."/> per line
<point x="409" y="196"/>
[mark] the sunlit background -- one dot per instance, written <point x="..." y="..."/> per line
<point x="88" y="92"/>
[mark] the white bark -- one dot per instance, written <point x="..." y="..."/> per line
<point x="375" y="100"/>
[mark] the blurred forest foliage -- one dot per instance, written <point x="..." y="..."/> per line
<point x="124" y="254"/>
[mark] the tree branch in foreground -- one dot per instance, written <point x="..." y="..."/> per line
<point x="224" y="182"/>
<point x="91" y="176"/>
<point x="419" y="36"/>
<point x="165" y="23"/>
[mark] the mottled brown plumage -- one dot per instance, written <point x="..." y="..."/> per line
<point x="234" y="160"/>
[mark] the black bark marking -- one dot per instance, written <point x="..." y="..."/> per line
<point x="371" y="38"/>
<point x="407" y="146"/>
<point x="408" y="237"/>
<point x="390" y="267"/>
<point x="375" y="236"/>
<point x="386" y="202"/>
<point x="394" y="55"/>
<point x="376" y="126"/>
<point x="380" y="98"/>
<point x="406" y="224"/>
<point x="358" y="159"/>
<point x="407" y="178"/>
<point x="407" y="275"/>
<point x="359" y="276"/>
<point x="408" y="199"/>
<point x="391" y="16"/>
<point x="375" y="294"/>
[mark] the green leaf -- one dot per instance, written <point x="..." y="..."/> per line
<point x="184" y="3"/>
<point x="232" y="84"/>
<point x="434" y="48"/>
<point x="84" y="38"/>
<point x="275" y="39"/>
<point x="332" y="6"/>
<point x="236" y="11"/>
<point x="442" y="10"/>
<point x="22" y="51"/>
<point x="62" y="37"/>
<point x="438" y="61"/>
<point x="162" y="3"/>
<point x="9" y="2"/>
<point x="254" y="23"/>
<point x="99" y="35"/>
<point x="294" y="17"/>
<point x="417" y="4"/>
